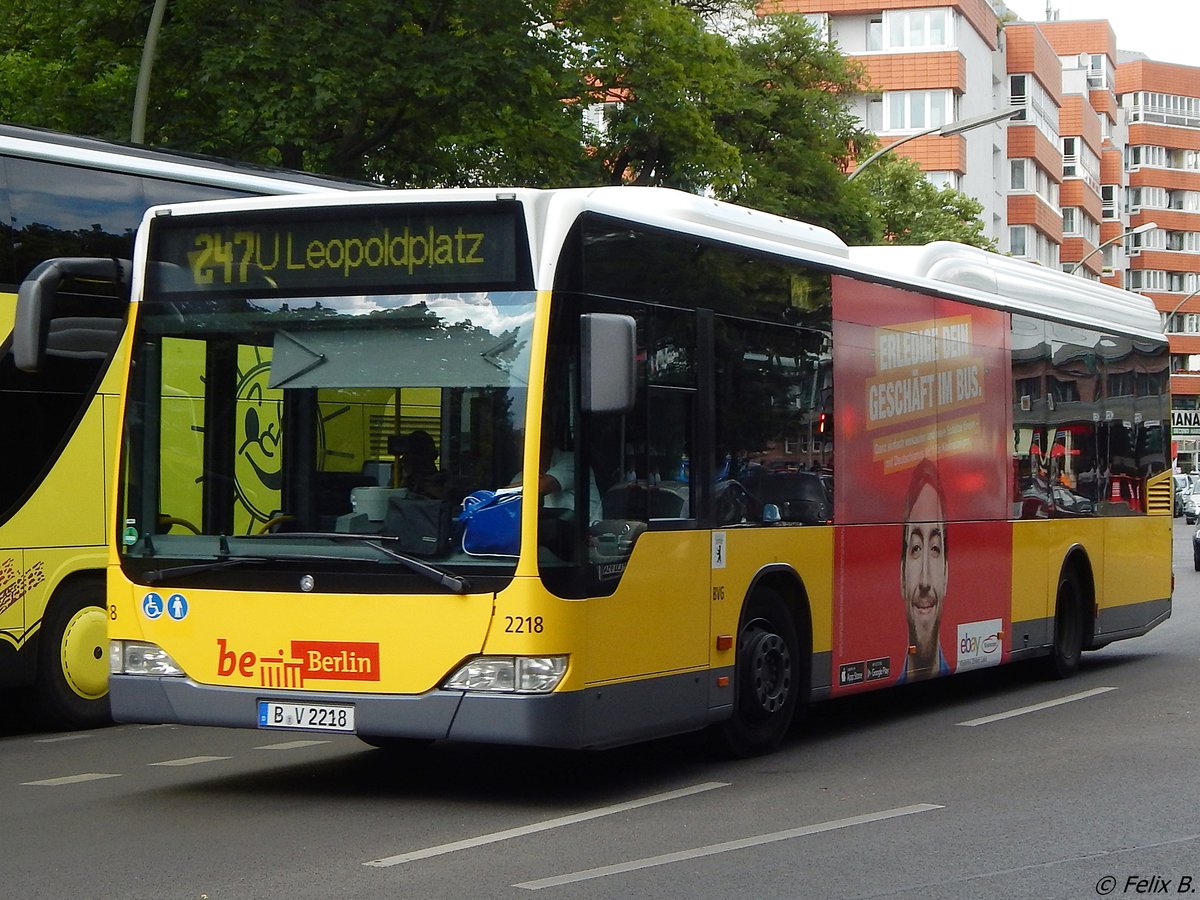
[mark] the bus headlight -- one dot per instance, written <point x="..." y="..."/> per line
<point x="510" y="674"/>
<point x="140" y="658"/>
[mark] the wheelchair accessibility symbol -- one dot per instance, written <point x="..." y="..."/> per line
<point x="152" y="605"/>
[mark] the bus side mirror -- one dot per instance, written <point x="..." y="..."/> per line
<point x="608" y="347"/>
<point x="38" y="332"/>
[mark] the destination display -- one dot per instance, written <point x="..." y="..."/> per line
<point x="354" y="249"/>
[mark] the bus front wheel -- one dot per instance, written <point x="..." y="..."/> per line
<point x="71" y="690"/>
<point x="768" y="680"/>
<point x="1068" y="628"/>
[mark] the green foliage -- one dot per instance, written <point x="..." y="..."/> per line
<point x="788" y="116"/>
<point x="913" y="211"/>
<point x="472" y="92"/>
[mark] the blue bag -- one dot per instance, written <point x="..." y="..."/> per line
<point x="491" y="523"/>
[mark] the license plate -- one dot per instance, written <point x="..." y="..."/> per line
<point x="305" y="716"/>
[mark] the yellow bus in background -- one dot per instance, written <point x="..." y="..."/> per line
<point x="67" y="196"/>
<point x="585" y="467"/>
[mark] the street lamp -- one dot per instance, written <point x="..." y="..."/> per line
<point x="1144" y="227"/>
<point x="137" y="131"/>
<point x="946" y="130"/>
<point x="1178" y="307"/>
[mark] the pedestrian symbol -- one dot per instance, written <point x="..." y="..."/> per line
<point x="177" y="607"/>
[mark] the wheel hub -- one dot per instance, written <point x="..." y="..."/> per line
<point x="83" y="654"/>
<point x="770" y="672"/>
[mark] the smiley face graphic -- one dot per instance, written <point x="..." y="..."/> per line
<point x="258" y="465"/>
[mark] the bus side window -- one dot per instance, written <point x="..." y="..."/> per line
<point x="653" y="480"/>
<point x="774" y="409"/>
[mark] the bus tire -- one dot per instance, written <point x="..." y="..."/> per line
<point x="71" y="690"/>
<point x="768" y="676"/>
<point x="1067" y="648"/>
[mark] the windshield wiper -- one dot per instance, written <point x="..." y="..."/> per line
<point x="224" y="561"/>
<point x="456" y="583"/>
<point x="154" y="576"/>
<point x="441" y="577"/>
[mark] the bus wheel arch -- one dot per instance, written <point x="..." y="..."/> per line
<point x="1074" y="616"/>
<point x="772" y="666"/>
<point x="71" y="688"/>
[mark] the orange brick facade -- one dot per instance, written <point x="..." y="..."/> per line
<point x="1070" y="70"/>
<point x="916" y="71"/>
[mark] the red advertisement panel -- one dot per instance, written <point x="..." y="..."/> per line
<point x="922" y="418"/>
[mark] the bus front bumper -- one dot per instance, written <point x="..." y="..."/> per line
<point x="573" y="719"/>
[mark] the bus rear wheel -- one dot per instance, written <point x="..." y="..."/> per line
<point x="1067" y="649"/>
<point x="71" y="690"/>
<point x="768" y="680"/>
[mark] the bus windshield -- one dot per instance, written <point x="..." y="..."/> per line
<point x="345" y="429"/>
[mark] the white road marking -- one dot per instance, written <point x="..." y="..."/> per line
<point x="726" y="847"/>
<point x="1037" y="707"/>
<point x="189" y="761"/>
<point x="61" y="738"/>
<point x="291" y="745"/>
<point x="73" y="779"/>
<point x="546" y="825"/>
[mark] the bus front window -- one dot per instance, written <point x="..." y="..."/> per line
<point x="261" y="426"/>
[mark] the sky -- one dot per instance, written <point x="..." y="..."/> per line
<point x="1165" y="30"/>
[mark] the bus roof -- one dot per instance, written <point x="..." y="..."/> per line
<point x="111" y="156"/>
<point x="1017" y="285"/>
<point x="550" y="214"/>
<point x="944" y="266"/>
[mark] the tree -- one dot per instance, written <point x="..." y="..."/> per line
<point x="911" y="210"/>
<point x="433" y="93"/>
<point x="789" y="116"/>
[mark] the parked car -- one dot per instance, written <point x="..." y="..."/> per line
<point x="1182" y="487"/>
<point x="1191" y="507"/>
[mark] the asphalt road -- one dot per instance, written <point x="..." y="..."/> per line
<point x="997" y="784"/>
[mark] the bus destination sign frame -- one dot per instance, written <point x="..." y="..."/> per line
<point x="367" y="249"/>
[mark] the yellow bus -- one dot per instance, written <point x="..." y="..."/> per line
<point x="62" y="195"/>
<point x="585" y="467"/>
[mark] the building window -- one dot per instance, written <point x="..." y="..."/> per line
<point x="1016" y="240"/>
<point x="1182" y="323"/>
<point x="819" y="23"/>
<point x="1146" y="279"/>
<point x="1137" y="156"/>
<point x="1070" y="217"/>
<point x="1183" y="241"/>
<point x="1099" y="74"/>
<point x="1039" y="108"/>
<point x="917" y="110"/>
<point x="942" y="180"/>
<point x="916" y="29"/>
<point x="1187" y="201"/>
<point x="1108" y="201"/>
<point x="1154" y="239"/>
<point x="1166" y="109"/>
<point x="1016" y="177"/>
<point x="875" y="33"/>
<point x="1146" y="198"/>
<point x="874" y="113"/>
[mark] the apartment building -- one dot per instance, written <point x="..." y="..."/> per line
<point x="1099" y="175"/>
<point x="1034" y="149"/>
<point x="931" y="65"/>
